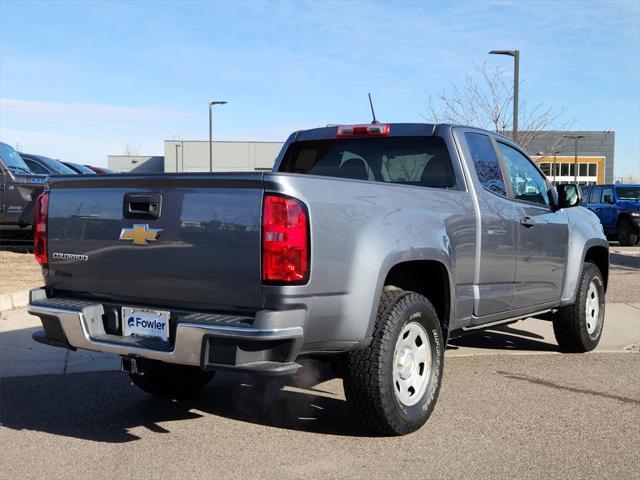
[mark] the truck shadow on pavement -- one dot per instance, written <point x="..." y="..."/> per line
<point x="504" y="338"/>
<point x="105" y="407"/>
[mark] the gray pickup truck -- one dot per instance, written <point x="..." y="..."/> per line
<point x="367" y="245"/>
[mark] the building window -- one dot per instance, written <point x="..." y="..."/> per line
<point x="583" y="170"/>
<point x="546" y="168"/>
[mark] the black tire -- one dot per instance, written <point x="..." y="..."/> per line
<point x="368" y="380"/>
<point x="169" y="380"/>
<point x="571" y="324"/>
<point x="627" y="236"/>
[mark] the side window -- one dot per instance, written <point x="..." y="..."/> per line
<point x="607" y="195"/>
<point x="595" y="196"/>
<point x="486" y="163"/>
<point x="527" y="182"/>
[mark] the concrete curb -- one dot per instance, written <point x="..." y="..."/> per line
<point x="13" y="300"/>
<point x="620" y="259"/>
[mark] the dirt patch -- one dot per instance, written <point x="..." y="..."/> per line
<point x="18" y="271"/>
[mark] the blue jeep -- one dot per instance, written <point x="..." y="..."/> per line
<point x="618" y="207"/>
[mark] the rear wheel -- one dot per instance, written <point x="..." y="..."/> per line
<point x="578" y="327"/>
<point x="169" y="380"/>
<point x="626" y="233"/>
<point x="393" y="384"/>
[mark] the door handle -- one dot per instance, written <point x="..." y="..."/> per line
<point x="528" y="222"/>
<point x="138" y="205"/>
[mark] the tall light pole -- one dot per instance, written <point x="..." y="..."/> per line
<point x="555" y="163"/>
<point x="516" y="82"/>
<point x="211" y="104"/>
<point x="575" y="154"/>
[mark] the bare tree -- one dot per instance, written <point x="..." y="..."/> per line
<point x="485" y="100"/>
<point x="629" y="178"/>
<point x="131" y="148"/>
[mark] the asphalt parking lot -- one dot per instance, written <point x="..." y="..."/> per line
<point x="533" y="416"/>
<point x="511" y="406"/>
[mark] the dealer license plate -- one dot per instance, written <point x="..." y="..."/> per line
<point x="142" y="322"/>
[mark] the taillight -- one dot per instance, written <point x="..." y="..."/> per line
<point x="40" y="228"/>
<point x="285" y="240"/>
<point x="372" y="130"/>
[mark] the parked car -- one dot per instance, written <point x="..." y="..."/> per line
<point x="19" y="187"/>
<point x="368" y="246"/>
<point x="79" y="168"/>
<point x="101" y="170"/>
<point x="618" y="208"/>
<point x="46" y="165"/>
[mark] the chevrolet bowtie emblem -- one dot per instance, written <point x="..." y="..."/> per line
<point x="140" y="234"/>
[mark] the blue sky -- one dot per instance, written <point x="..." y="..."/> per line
<point x="80" y="80"/>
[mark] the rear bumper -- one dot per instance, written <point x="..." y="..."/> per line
<point x="267" y="343"/>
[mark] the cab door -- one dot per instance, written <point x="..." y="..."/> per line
<point x="607" y="209"/>
<point x="542" y="234"/>
<point x="495" y="267"/>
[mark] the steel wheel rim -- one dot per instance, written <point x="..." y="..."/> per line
<point x="411" y="364"/>
<point x="592" y="308"/>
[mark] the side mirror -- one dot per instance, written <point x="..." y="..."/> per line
<point x="553" y="198"/>
<point x="569" y="195"/>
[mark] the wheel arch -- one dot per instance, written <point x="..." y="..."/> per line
<point x="623" y="216"/>
<point x="599" y="255"/>
<point x="430" y="278"/>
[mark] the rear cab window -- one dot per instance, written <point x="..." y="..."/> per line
<point x="486" y="162"/>
<point x="419" y="161"/>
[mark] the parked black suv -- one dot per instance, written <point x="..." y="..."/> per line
<point x="19" y="187"/>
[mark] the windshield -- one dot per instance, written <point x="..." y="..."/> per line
<point x="12" y="160"/>
<point x="628" y="193"/>
<point x="56" y="165"/>
<point x="420" y="161"/>
<point x="82" y="169"/>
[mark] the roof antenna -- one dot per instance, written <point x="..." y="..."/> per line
<point x="372" y="111"/>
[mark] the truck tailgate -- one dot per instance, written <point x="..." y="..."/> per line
<point x="202" y="251"/>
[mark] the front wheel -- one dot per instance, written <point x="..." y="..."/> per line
<point x="578" y="327"/>
<point x="393" y="384"/>
<point x="170" y="380"/>
<point x="626" y="234"/>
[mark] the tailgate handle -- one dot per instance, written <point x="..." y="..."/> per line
<point x="142" y="205"/>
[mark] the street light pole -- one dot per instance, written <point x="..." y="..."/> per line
<point x="575" y="139"/>
<point x="177" y="157"/>
<point x="516" y="83"/>
<point x="555" y="165"/>
<point x="211" y="104"/>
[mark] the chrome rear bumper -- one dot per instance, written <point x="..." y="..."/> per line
<point x="217" y="342"/>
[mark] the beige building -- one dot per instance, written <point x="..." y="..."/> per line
<point x="562" y="168"/>
<point x="193" y="156"/>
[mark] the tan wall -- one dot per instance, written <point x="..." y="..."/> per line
<point x="193" y="156"/>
